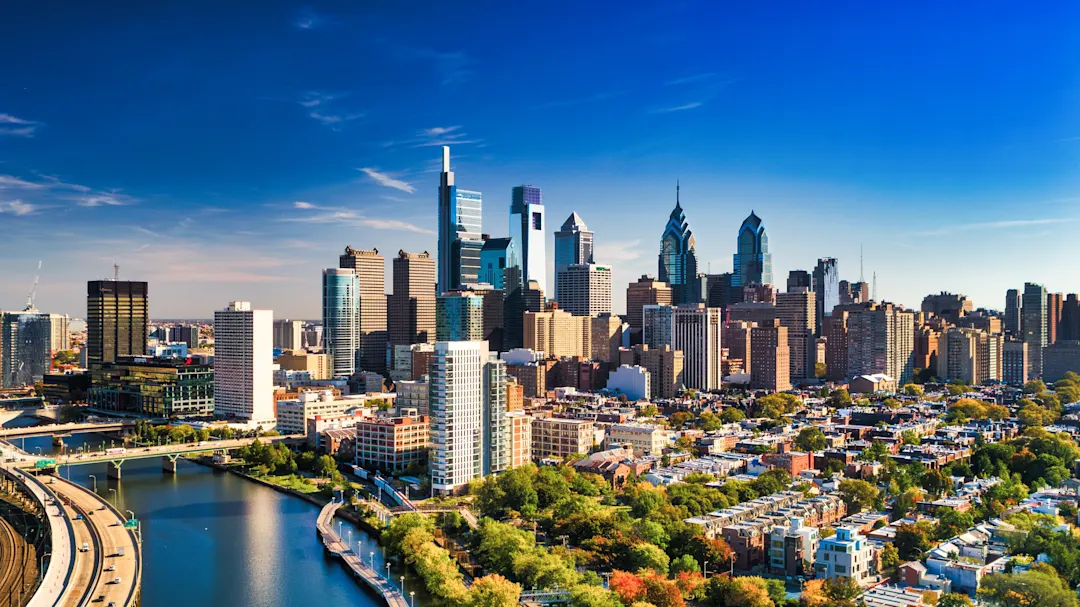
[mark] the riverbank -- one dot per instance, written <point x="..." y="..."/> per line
<point x="316" y="499"/>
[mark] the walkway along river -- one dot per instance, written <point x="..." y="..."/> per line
<point x="213" y="538"/>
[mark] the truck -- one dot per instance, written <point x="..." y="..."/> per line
<point x="116" y="451"/>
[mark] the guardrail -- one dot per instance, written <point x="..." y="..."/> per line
<point x="61" y="567"/>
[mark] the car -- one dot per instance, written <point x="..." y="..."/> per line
<point x="79" y="516"/>
<point x="112" y="604"/>
<point x="116" y="580"/>
<point x="111" y="568"/>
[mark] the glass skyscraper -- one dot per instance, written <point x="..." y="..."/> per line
<point x="493" y="261"/>
<point x="827" y="288"/>
<point x="753" y="262"/>
<point x="573" y="245"/>
<point x="678" y="256"/>
<point x="460" y="226"/>
<point x="527" y="225"/>
<point x="341" y="319"/>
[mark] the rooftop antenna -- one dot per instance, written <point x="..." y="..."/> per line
<point x="116" y="272"/>
<point x="33" y="289"/>
<point x="860" y="263"/>
<point x="874" y="296"/>
<point x="676" y="191"/>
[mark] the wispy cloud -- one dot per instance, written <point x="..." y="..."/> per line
<point x="308" y="19"/>
<point x="17" y="208"/>
<point x="12" y="182"/>
<point x="694" y="78"/>
<point x="578" y="101"/>
<point x="618" y="251"/>
<point x="300" y="204"/>
<point x="994" y="225"/>
<point x="318" y="103"/>
<point x="349" y="217"/>
<point x="14" y="126"/>
<point x="104" y="199"/>
<point x="387" y="181"/>
<point x="677" y="108"/>
<point x="53" y="190"/>
<point x="438" y="131"/>
<point x="442" y="135"/>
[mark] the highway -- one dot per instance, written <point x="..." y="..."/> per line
<point x="87" y="564"/>
<point x="70" y="428"/>
<point x="107" y="526"/>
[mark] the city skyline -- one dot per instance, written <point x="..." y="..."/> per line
<point x="265" y="177"/>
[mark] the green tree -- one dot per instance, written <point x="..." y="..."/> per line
<point x="648" y="556"/>
<point x="840" y="398"/>
<point x="912" y="390"/>
<point x="1035" y="386"/>
<point x="908" y="437"/>
<point x="820" y="370"/>
<point x="1027" y="589"/>
<point x="890" y="560"/>
<point x="811" y="439"/>
<point x="685" y="563"/>
<point x="841" y="591"/>
<point x="394" y="534"/>
<point x="907" y="501"/>
<point x="859" y="495"/>
<point x="499" y="543"/>
<point x="592" y="596"/>
<point x="494" y="591"/>
<point x="952" y="523"/>
<point x="954" y="599"/>
<point x="912" y="540"/>
<point x="731" y="415"/>
<point x="709" y="422"/>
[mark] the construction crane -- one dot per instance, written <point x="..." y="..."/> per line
<point x="33" y="289"/>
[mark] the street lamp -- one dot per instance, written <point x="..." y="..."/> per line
<point x="38" y="450"/>
<point x="402" y="584"/>
<point x="95" y="482"/>
<point x="113" y="492"/>
<point x="131" y="515"/>
<point x="371" y="559"/>
<point x="388" y="572"/>
<point x="412" y="599"/>
<point x="705" y="570"/>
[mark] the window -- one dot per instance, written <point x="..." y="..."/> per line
<point x="841" y="569"/>
<point x="538" y="221"/>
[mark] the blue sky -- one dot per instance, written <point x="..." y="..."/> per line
<point x="231" y="150"/>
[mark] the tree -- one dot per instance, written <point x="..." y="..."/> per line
<point x="629" y="587"/>
<point x="679" y="419"/>
<point x="912" y="390"/>
<point x="954" y="599"/>
<point x="813" y="594"/>
<point x="326" y="467"/>
<point x="66" y="357"/>
<point x="731" y="415"/>
<point x="709" y="422"/>
<point x="890" y="559"/>
<point x="394" y="534"/>
<point x="771" y="481"/>
<point x="592" y="596"/>
<point x="494" y="591"/>
<point x="810" y="439"/>
<point x="1035" y="386"/>
<point x="499" y="543"/>
<point x="859" y="495"/>
<point x="907" y="501"/>
<point x="935" y="482"/>
<point x="650" y="410"/>
<point x="952" y="523"/>
<point x="908" y="437"/>
<point x="840" y="398"/>
<point x="648" y="556"/>
<point x="1027" y="589"/>
<point x="841" y="591"/>
<point x="912" y="540"/>
<point x="820" y="370"/>
<point x="685" y="563"/>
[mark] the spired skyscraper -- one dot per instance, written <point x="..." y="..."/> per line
<point x="573" y="245"/>
<point x="460" y="225"/>
<point x="527" y="224"/>
<point x="753" y="262"/>
<point x="678" y="257"/>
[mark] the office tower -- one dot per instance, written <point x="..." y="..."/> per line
<point x="666" y="368"/>
<point x="573" y="245"/>
<point x="459" y="316"/>
<point x="647" y="291"/>
<point x="460" y="228"/>
<point x="1070" y="318"/>
<point x="1033" y="324"/>
<point x="341" y="319"/>
<point x="28" y="342"/>
<point x="527" y="225"/>
<point x="463" y="387"/>
<point x="288" y="334"/>
<point x="971" y="356"/>
<point x="657" y="325"/>
<point x="497" y="425"/>
<point x="494" y="256"/>
<point x="882" y="340"/>
<point x="695" y="329"/>
<point x="769" y="353"/>
<point x="1054" y="305"/>
<point x="799" y="279"/>
<point x="718" y="291"/>
<point x="606" y="334"/>
<point x="678" y="256"/>
<point x="736" y="340"/>
<point x="494" y="331"/>
<point x="836" y="346"/>
<point x="796" y="311"/>
<point x="371" y="295"/>
<point x="1015" y="363"/>
<point x="527" y="297"/>
<point x="558" y="333"/>
<point x="826" y="284"/>
<point x="117" y="315"/>
<point x="189" y="334"/>
<point x="155" y="387"/>
<point x="761" y="313"/>
<point x="759" y="293"/>
<point x="981" y="320"/>
<point x="926" y="347"/>
<point x="244" y="362"/>
<point x="411" y="307"/>
<point x="584" y="289"/>
<point x="753" y="262"/>
<point x="949" y="306"/>
<point x="1013" y="305"/>
<point x="854" y="292"/>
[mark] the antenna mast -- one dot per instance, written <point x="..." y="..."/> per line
<point x="860" y="263"/>
<point x="874" y="297"/>
<point x="116" y="272"/>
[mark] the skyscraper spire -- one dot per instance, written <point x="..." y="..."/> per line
<point x="676" y="192"/>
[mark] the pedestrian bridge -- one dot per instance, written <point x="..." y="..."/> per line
<point x="324" y="527"/>
<point x="64" y="429"/>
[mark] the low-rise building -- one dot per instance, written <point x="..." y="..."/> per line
<point x="790" y="546"/>
<point x="846" y="554"/>
<point x="558" y="437"/>
<point x="644" y="439"/>
<point x="632" y="381"/>
<point x="165" y="387"/>
<point x="293" y="413"/>
<point x="318" y="366"/>
<point x="392" y="443"/>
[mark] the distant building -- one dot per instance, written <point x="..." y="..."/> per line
<point x="460" y="230"/>
<point x="520" y="438"/>
<point x="527" y="230"/>
<point x="1033" y="324"/>
<point x="799" y="279"/>
<point x="28" y="342"/>
<point x="678" y="257"/>
<point x="573" y="246"/>
<point x="411" y="307"/>
<point x="949" y="306"/>
<point x="413" y="395"/>
<point x="1012" y="313"/>
<point x="459" y="316"/>
<point x="391" y="444"/>
<point x="796" y="310"/>
<point x="972" y="356"/>
<point x="371" y="301"/>
<point x="318" y="366"/>
<point x="631" y="381"/>
<point x="696" y="332"/>
<point x="584" y="289"/>
<point x="243" y="363"/>
<point x="658" y="322"/>
<point x="826" y="288"/>
<point x="1054" y="304"/>
<point x="1060" y="358"/>
<point x="152" y="387"/>
<point x="117" y="319"/>
<point x="293" y="414"/>
<point x="647" y="291"/>
<point x="494" y="257"/>
<point x="770" y="367"/>
<point x="341" y="320"/>
<point x="643" y="439"/>
<point x="557" y="437"/>
<point x="753" y="262"/>
<point x="869" y="384"/>
<point x="288" y="334"/>
<point x="881" y="340"/>
<point x="665" y="367"/>
<point x="1015" y="363"/>
<point x="557" y="333"/>
<point x="607" y="333"/>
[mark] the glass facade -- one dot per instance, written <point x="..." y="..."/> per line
<point x="527" y="232"/>
<point x="341" y="319"/>
<point x="678" y="258"/>
<point x="493" y="261"/>
<point x="753" y="262"/>
<point x="573" y="245"/>
<point x="155" y="387"/>
<point x="459" y="317"/>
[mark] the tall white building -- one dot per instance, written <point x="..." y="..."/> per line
<point x="244" y="362"/>
<point x="289" y="334"/>
<point x="461" y="390"/>
<point x="695" y="329"/>
<point x="527" y="226"/>
<point x="584" y="289"/>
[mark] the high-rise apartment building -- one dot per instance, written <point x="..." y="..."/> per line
<point x="527" y="226"/>
<point x="1013" y="304"/>
<point x="558" y="333"/>
<point x="1069" y="327"/>
<point x="736" y="340"/>
<point x="695" y="330"/>
<point x="949" y="306"/>
<point x="799" y="279"/>
<point x="244" y="363"/>
<point x="584" y="289"/>
<point x="459" y="316"/>
<point x="573" y="245"/>
<point x="117" y="317"/>
<point x="411" y="307"/>
<point x="770" y="367"/>
<point x="753" y="262"/>
<point x="1034" y="320"/>
<point x="371" y="298"/>
<point x="882" y="340"/>
<point x="971" y="356"/>
<point x="647" y="291"/>
<point x="797" y="311"/>
<point x="28" y="342"/>
<point x="826" y="286"/>
<point x="288" y="334"/>
<point x="1015" y="363"/>
<point x="341" y="320"/>
<point x="460" y="229"/>
<point x="657" y="325"/>
<point x="836" y="346"/>
<point x="678" y="264"/>
<point x="498" y="426"/>
<point x="1054" y="306"/>
<point x="666" y="368"/>
<point x="854" y="292"/>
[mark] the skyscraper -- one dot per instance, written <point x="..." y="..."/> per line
<point x="558" y="333"/>
<point x="678" y="256"/>
<point x="288" y="334"/>
<point x="647" y="291"/>
<point x="1070" y="318"/>
<point x="341" y="320"/>
<point x="1033" y="324"/>
<point x="573" y="245"/>
<point x="460" y="227"/>
<point x="28" y="342"/>
<point x="371" y="297"/>
<point x="797" y="279"/>
<point x="1054" y="304"/>
<point x="527" y="225"/>
<point x="826" y="287"/>
<point x="1012" y="313"/>
<point x="753" y="262"/>
<point x="657" y="325"/>
<point x="494" y="257"/>
<point x="584" y="289"/>
<point x="695" y="329"/>
<point x="117" y="315"/>
<point x="795" y="311"/>
<point x="770" y="367"/>
<point x="411" y="307"/>
<point x="459" y="316"/>
<point x="244" y="362"/>
<point x="881" y="340"/>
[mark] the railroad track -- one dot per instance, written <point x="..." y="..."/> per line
<point x="14" y="553"/>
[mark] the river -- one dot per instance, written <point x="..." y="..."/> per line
<point x="212" y="538"/>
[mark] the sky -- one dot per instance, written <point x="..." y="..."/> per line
<point x="231" y="150"/>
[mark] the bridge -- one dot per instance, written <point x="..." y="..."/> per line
<point x="169" y="454"/>
<point x="324" y="527"/>
<point x="64" y="429"/>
